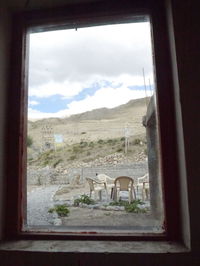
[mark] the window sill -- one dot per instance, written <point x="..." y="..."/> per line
<point x="94" y="246"/>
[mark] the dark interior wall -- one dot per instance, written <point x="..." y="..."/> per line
<point x="185" y="42"/>
<point x="4" y="67"/>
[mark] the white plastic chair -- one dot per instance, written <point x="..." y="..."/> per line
<point x="143" y="184"/>
<point x="97" y="187"/>
<point x="123" y="183"/>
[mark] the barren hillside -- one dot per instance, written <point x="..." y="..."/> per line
<point x="97" y="124"/>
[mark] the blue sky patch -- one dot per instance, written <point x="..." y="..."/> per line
<point x="56" y="103"/>
<point x="51" y="104"/>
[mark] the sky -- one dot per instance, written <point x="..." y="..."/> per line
<point x="73" y="71"/>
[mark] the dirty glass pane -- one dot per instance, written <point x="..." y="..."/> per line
<point x="92" y="135"/>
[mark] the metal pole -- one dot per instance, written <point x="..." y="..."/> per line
<point x="145" y="85"/>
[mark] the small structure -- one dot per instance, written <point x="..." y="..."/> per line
<point x="47" y="138"/>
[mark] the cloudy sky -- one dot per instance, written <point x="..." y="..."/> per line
<point x="72" y="71"/>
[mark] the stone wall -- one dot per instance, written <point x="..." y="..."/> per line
<point x="52" y="176"/>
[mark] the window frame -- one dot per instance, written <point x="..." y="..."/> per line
<point x="88" y="15"/>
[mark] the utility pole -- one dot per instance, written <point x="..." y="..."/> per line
<point x="145" y="87"/>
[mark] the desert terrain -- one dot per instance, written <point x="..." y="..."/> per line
<point x="106" y="141"/>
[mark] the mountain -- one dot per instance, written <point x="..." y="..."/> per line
<point x="96" y="124"/>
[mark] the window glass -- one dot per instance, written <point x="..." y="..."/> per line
<point x="92" y="130"/>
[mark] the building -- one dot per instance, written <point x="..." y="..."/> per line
<point x="184" y="38"/>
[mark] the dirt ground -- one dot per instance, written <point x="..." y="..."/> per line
<point x="92" y="217"/>
<point x="95" y="217"/>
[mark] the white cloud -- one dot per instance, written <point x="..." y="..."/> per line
<point x="69" y="59"/>
<point x="35" y="114"/>
<point x="105" y="97"/>
<point x="66" y="62"/>
<point x="31" y="103"/>
<point x="65" y="89"/>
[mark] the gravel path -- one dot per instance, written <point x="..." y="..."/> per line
<point x="38" y="203"/>
<point x="40" y="199"/>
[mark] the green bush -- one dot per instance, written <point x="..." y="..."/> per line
<point x="136" y="141"/>
<point x="29" y="141"/>
<point x="100" y="141"/>
<point x="61" y="210"/>
<point x="112" y="141"/>
<point x="130" y="207"/>
<point x="91" y="144"/>
<point x="134" y="207"/>
<point x="83" y="199"/>
<point x="83" y="144"/>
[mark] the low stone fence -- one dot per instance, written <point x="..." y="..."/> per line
<point x="52" y="176"/>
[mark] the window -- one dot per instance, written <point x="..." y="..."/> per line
<point x="154" y="125"/>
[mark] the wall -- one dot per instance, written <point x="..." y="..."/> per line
<point x="185" y="42"/>
<point x="4" y="67"/>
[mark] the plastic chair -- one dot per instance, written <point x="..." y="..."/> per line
<point x="97" y="187"/>
<point x="123" y="183"/>
<point x="143" y="183"/>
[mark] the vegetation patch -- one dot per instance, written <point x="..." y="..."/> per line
<point x="100" y="141"/>
<point x="29" y="141"/>
<point x="136" y="142"/>
<point x="72" y="157"/>
<point x="57" y="162"/>
<point x="134" y="206"/>
<point x="88" y="151"/>
<point x="83" y="144"/>
<point x="83" y="199"/>
<point x="61" y="210"/>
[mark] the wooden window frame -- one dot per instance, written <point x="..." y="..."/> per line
<point x="89" y="15"/>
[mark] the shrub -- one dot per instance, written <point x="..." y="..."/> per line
<point x="119" y="150"/>
<point x="136" y="141"/>
<point x="57" y="162"/>
<point x="91" y="144"/>
<point x="61" y="210"/>
<point x="112" y="141"/>
<point x="83" y="132"/>
<point x="83" y="144"/>
<point x="134" y="207"/>
<point x="83" y="199"/>
<point x="76" y="149"/>
<point x="130" y="207"/>
<point x="100" y="141"/>
<point x="29" y="141"/>
<point x="72" y="157"/>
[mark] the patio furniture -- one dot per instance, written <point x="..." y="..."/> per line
<point x="109" y="181"/>
<point x="97" y="187"/>
<point x="123" y="183"/>
<point x="143" y="183"/>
